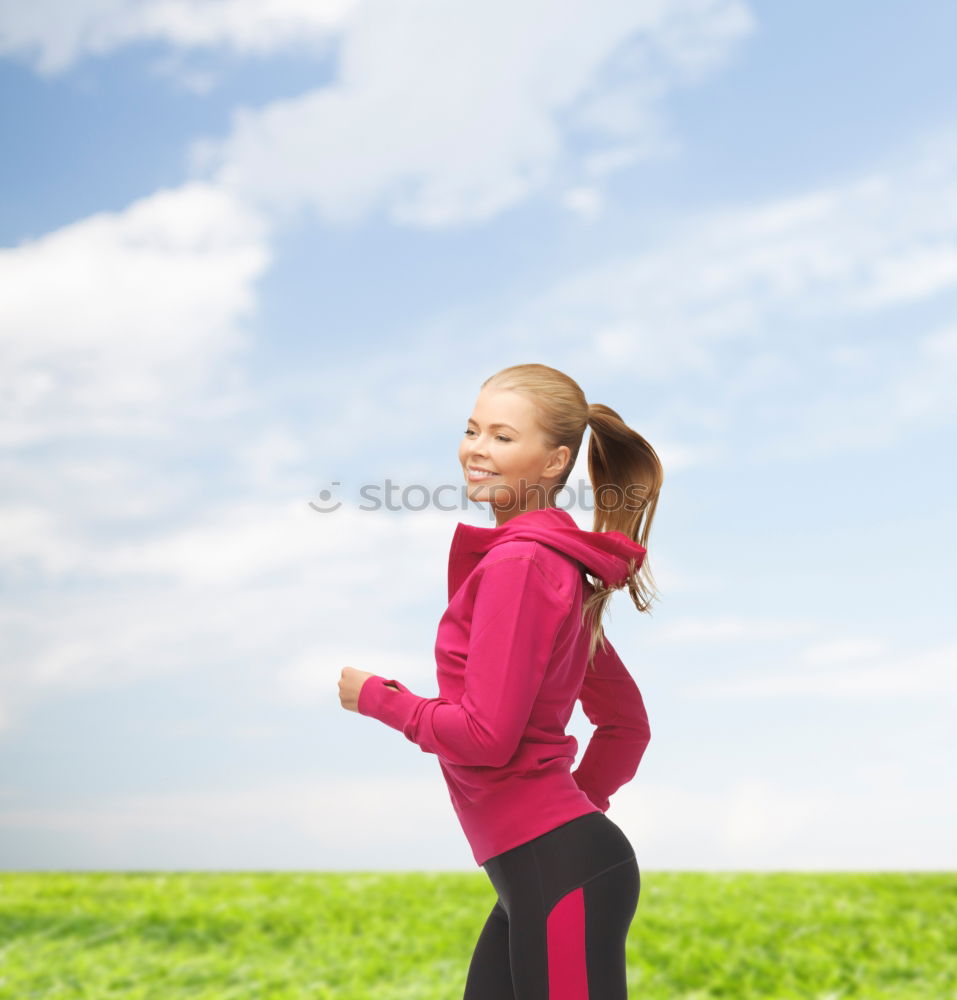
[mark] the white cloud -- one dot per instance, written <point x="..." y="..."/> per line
<point x="909" y="274"/>
<point x="332" y="822"/>
<point x="325" y="821"/>
<point x="754" y="823"/>
<point x="585" y="202"/>
<point x="449" y="113"/>
<point x="268" y="454"/>
<point x="728" y="275"/>
<point x="607" y="161"/>
<point x="443" y="112"/>
<point x="245" y="541"/>
<point x="729" y="630"/>
<point x="844" y="650"/>
<point x="112" y="324"/>
<point x="55" y="34"/>
<point x="301" y="584"/>
<point x="305" y="678"/>
<point x="743" y="303"/>
<point x="925" y="392"/>
<point x="311" y="803"/>
<point x="30" y="536"/>
<point x="915" y="674"/>
<point x="894" y="394"/>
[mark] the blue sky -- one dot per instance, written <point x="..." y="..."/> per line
<point x="249" y="251"/>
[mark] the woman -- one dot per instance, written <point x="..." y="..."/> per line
<point x="521" y="639"/>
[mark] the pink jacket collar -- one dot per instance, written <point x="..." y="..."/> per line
<point x="604" y="554"/>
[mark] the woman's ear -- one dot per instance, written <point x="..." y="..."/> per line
<point x="559" y="460"/>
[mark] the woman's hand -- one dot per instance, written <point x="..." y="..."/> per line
<point x="350" y="684"/>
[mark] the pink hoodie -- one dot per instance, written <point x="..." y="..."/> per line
<point x="511" y="654"/>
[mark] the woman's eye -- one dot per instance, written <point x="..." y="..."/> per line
<point x="500" y="437"/>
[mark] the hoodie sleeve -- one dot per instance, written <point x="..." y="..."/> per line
<point x="613" y="703"/>
<point x="516" y="616"/>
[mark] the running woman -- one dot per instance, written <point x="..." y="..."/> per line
<point x="520" y="641"/>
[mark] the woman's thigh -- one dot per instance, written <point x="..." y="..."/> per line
<point x="490" y="974"/>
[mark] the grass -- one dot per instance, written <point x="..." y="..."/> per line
<point x="409" y="936"/>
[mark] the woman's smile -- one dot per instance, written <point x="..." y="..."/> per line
<point x="476" y="474"/>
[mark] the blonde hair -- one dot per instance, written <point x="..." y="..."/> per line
<point x="620" y="462"/>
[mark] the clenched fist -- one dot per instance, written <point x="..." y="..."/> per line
<point x="350" y="684"/>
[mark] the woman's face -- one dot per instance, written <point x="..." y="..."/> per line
<point x="503" y="437"/>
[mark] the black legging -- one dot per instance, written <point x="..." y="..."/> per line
<point x="557" y="930"/>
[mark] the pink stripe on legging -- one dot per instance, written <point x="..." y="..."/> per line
<point x="567" y="974"/>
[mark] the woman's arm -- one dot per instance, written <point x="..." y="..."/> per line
<point x="515" y="618"/>
<point x="613" y="703"/>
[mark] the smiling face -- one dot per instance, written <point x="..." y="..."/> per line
<point x="503" y="438"/>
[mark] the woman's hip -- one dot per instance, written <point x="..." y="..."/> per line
<point x="551" y="865"/>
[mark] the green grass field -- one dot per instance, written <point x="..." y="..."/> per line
<point x="382" y="936"/>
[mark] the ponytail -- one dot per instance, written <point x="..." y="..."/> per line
<point x="626" y="476"/>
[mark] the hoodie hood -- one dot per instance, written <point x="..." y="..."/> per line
<point x="604" y="554"/>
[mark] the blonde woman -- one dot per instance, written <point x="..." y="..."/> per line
<point x="520" y="641"/>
